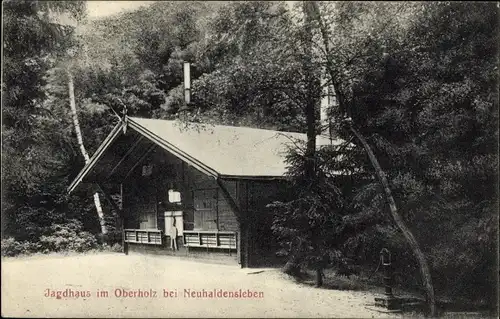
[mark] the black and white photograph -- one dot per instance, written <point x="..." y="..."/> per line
<point x="250" y="159"/>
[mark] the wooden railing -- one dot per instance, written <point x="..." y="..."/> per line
<point x="143" y="236"/>
<point x="210" y="239"/>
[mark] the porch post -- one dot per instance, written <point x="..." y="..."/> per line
<point x="124" y="242"/>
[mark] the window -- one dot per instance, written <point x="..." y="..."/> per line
<point x="147" y="170"/>
<point x="174" y="196"/>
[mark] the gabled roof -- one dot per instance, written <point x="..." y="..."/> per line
<point x="217" y="150"/>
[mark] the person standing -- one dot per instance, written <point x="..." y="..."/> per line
<point x="173" y="236"/>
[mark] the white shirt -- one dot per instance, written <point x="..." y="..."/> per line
<point x="173" y="232"/>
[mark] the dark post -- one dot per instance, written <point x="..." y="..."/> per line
<point x="385" y="257"/>
<point x="124" y="239"/>
<point x="389" y="301"/>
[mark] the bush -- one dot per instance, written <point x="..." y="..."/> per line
<point x="11" y="247"/>
<point x="111" y="238"/>
<point x="68" y="237"/>
<point x="115" y="248"/>
<point x="353" y="282"/>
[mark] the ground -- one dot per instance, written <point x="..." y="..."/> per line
<point x="25" y="281"/>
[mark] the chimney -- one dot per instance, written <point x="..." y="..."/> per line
<point x="187" y="83"/>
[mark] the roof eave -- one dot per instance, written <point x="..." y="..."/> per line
<point x="97" y="155"/>
<point x="174" y="150"/>
<point x="255" y="177"/>
<point x="152" y="137"/>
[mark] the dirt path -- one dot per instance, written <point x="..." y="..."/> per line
<point x="26" y="280"/>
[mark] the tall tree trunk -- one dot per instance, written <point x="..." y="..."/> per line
<point x="310" y="107"/>
<point x="319" y="277"/>
<point x="292" y="265"/>
<point x="79" y="138"/>
<point x="424" y="267"/>
<point x="296" y="254"/>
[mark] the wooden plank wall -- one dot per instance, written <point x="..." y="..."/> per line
<point x="262" y="245"/>
<point x="226" y="216"/>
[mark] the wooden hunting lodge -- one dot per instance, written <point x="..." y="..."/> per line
<point x="212" y="182"/>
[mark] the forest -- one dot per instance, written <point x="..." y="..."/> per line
<point x="417" y="91"/>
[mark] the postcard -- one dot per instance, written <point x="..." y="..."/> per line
<point x="249" y="159"/>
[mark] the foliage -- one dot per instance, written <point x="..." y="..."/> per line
<point x="68" y="237"/>
<point x="420" y="84"/>
<point x="116" y="248"/>
<point x="135" y="59"/>
<point x="254" y="78"/>
<point x="64" y="238"/>
<point x="311" y="223"/>
<point x="36" y="153"/>
<point x="428" y="106"/>
<point x="353" y="282"/>
<point x="239" y="72"/>
<point x="11" y="247"/>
